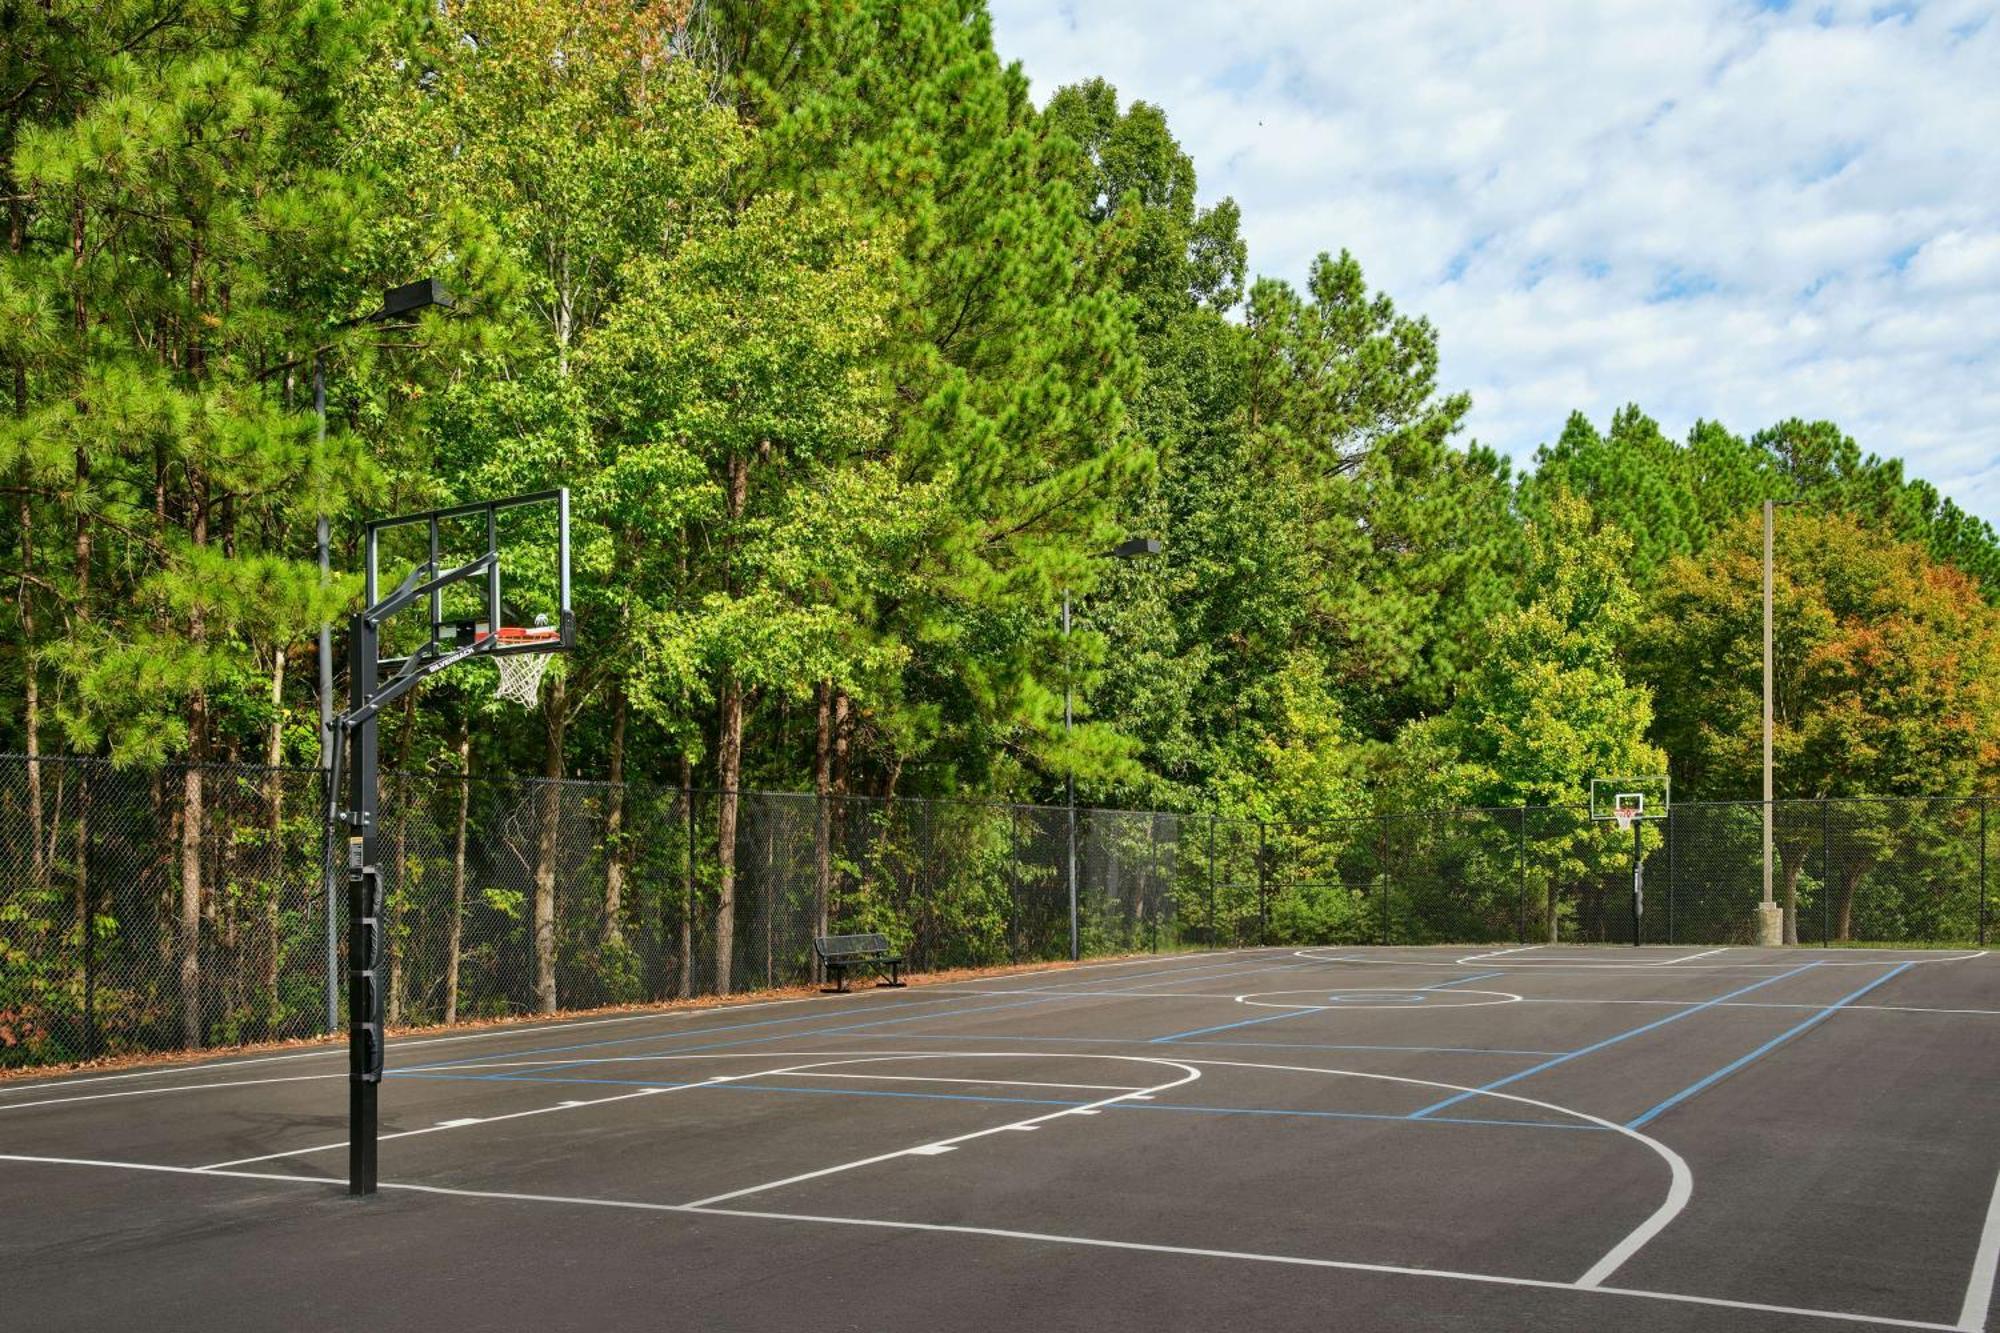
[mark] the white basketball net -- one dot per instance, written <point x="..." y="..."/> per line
<point x="521" y="678"/>
<point x="521" y="673"/>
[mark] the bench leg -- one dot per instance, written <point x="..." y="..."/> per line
<point x="894" y="970"/>
<point x="837" y="974"/>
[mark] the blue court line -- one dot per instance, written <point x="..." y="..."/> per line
<point x="1241" y="1023"/>
<point x="800" y="1017"/>
<point x="987" y="1099"/>
<point x="1483" y="976"/>
<point x="1700" y="1085"/>
<point x="1305" y="1009"/>
<point x="1609" y="1041"/>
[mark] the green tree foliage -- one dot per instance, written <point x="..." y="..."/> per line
<point x="856" y="364"/>
<point x="1886" y="682"/>
<point x="1550" y="706"/>
<point x="1887" y="666"/>
<point x="1672" y="498"/>
<point x="1009" y="363"/>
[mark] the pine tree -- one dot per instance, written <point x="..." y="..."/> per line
<point x="170" y="215"/>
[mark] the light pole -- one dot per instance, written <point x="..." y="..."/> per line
<point x="398" y="303"/>
<point x="1770" y="920"/>
<point x="1134" y="549"/>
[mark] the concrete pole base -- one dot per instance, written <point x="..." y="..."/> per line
<point x="1770" y="925"/>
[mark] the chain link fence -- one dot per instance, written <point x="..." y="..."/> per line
<point x="187" y="907"/>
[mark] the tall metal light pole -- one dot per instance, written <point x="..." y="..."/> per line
<point x="1133" y="549"/>
<point x="398" y="303"/>
<point x="1770" y="517"/>
<point x="1770" y="920"/>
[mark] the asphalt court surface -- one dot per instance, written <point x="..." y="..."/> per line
<point x="1559" y="1138"/>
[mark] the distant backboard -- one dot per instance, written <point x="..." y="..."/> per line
<point x="1636" y="798"/>
<point x="496" y="575"/>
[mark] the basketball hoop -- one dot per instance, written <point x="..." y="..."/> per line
<point x="1627" y="809"/>
<point x="521" y="673"/>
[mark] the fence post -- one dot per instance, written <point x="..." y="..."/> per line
<point x="328" y="878"/>
<point x="1521" y="871"/>
<point x="1388" y="878"/>
<point x="1983" y="803"/>
<point x="1211" y="881"/>
<point x="1825" y="879"/>
<point x="1672" y="878"/>
<point x="687" y="896"/>
<point x="87" y="891"/>
<point x="1263" y="892"/>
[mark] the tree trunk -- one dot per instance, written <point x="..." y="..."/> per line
<point x="31" y="697"/>
<point x="84" y="795"/>
<point x="728" y="773"/>
<point x="686" y="986"/>
<point x="1851" y="876"/>
<point x="31" y="702"/>
<point x="768" y="901"/>
<point x="274" y="806"/>
<point x="455" y="934"/>
<point x="1789" y="868"/>
<point x="614" y="828"/>
<point x="729" y="752"/>
<point x="555" y="719"/>
<point x="399" y="886"/>
<point x="191" y="816"/>
<point x="190" y="913"/>
<point x="822" y="818"/>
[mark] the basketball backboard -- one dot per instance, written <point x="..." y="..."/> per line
<point x="491" y="577"/>
<point x="1627" y="800"/>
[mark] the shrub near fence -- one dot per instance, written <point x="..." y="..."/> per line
<point x="203" y="890"/>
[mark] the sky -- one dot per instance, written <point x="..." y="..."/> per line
<point x="1737" y="211"/>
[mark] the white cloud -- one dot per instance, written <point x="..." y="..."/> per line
<point x="1716" y="208"/>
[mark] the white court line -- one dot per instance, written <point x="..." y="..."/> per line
<point x="449" y="1124"/>
<point x="1985" y="1268"/>
<point x="1536" y="962"/>
<point x="1557" y="965"/>
<point x="337" y="1045"/>
<point x="574" y="1105"/>
<point x="1765" y="1004"/>
<point x="544" y="1062"/>
<point x="1679" y="1189"/>
<point x="1119" y="994"/>
<point x="977" y="1082"/>
<point x="1189" y="1075"/>
<point x="182" y="1087"/>
<point x="1035" y="1237"/>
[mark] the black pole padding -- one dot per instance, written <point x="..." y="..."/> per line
<point x="1638" y="878"/>
<point x="364" y="912"/>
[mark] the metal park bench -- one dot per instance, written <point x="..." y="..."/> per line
<point x="838" y="953"/>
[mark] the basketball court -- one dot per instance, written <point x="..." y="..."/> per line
<point x="1556" y="1138"/>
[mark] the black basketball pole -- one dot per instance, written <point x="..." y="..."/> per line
<point x="364" y="912"/>
<point x="356" y="740"/>
<point x="1638" y="878"/>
